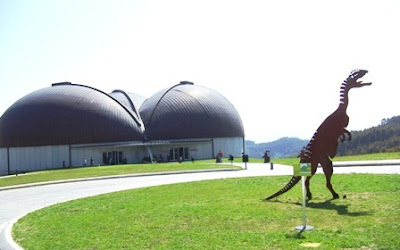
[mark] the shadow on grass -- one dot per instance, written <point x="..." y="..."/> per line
<point x="340" y="209"/>
<point x="295" y="235"/>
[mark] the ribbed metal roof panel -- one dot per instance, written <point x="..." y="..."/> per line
<point x="66" y="114"/>
<point x="131" y="101"/>
<point x="190" y="111"/>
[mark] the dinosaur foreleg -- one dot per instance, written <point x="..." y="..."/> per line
<point x="348" y="133"/>
<point x="343" y="135"/>
<point x="328" y="171"/>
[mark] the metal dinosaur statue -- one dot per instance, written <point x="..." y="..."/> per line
<point x="323" y="145"/>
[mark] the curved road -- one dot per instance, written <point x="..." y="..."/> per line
<point x="15" y="203"/>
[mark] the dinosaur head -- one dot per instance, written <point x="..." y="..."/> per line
<point x="352" y="80"/>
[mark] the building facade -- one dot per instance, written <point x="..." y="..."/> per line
<point x="70" y="125"/>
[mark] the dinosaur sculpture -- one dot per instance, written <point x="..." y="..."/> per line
<point x="323" y="145"/>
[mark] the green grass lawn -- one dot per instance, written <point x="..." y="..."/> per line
<point x="223" y="214"/>
<point x="83" y="172"/>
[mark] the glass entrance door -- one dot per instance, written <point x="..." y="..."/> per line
<point x="175" y="153"/>
<point x="113" y="157"/>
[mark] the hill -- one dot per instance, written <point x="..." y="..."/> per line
<point x="382" y="138"/>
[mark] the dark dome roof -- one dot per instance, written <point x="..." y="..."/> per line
<point x="189" y="111"/>
<point x="67" y="114"/>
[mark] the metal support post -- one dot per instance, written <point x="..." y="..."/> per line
<point x="304" y="227"/>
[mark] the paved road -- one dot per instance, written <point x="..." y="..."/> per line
<point x="15" y="203"/>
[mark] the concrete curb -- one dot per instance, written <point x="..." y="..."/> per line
<point x="8" y="237"/>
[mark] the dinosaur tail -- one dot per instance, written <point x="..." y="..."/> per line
<point x="286" y="188"/>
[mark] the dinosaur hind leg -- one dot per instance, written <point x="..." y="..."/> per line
<point x="307" y="184"/>
<point x="328" y="171"/>
<point x="314" y="166"/>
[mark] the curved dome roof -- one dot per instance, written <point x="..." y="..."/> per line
<point x="189" y="111"/>
<point x="67" y="114"/>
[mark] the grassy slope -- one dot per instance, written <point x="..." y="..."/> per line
<point x="74" y="173"/>
<point x="223" y="214"/>
<point x="367" y="157"/>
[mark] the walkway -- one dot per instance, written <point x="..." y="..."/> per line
<point x="15" y="203"/>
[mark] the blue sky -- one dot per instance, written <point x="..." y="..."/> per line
<point x="280" y="63"/>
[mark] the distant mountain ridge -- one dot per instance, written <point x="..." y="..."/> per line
<point x="281" y="148"/>
<point x="382" y="138"/>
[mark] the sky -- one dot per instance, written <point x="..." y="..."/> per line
<point x="280" y="63"/>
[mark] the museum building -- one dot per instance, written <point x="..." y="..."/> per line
<point x="71" y="125"/>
